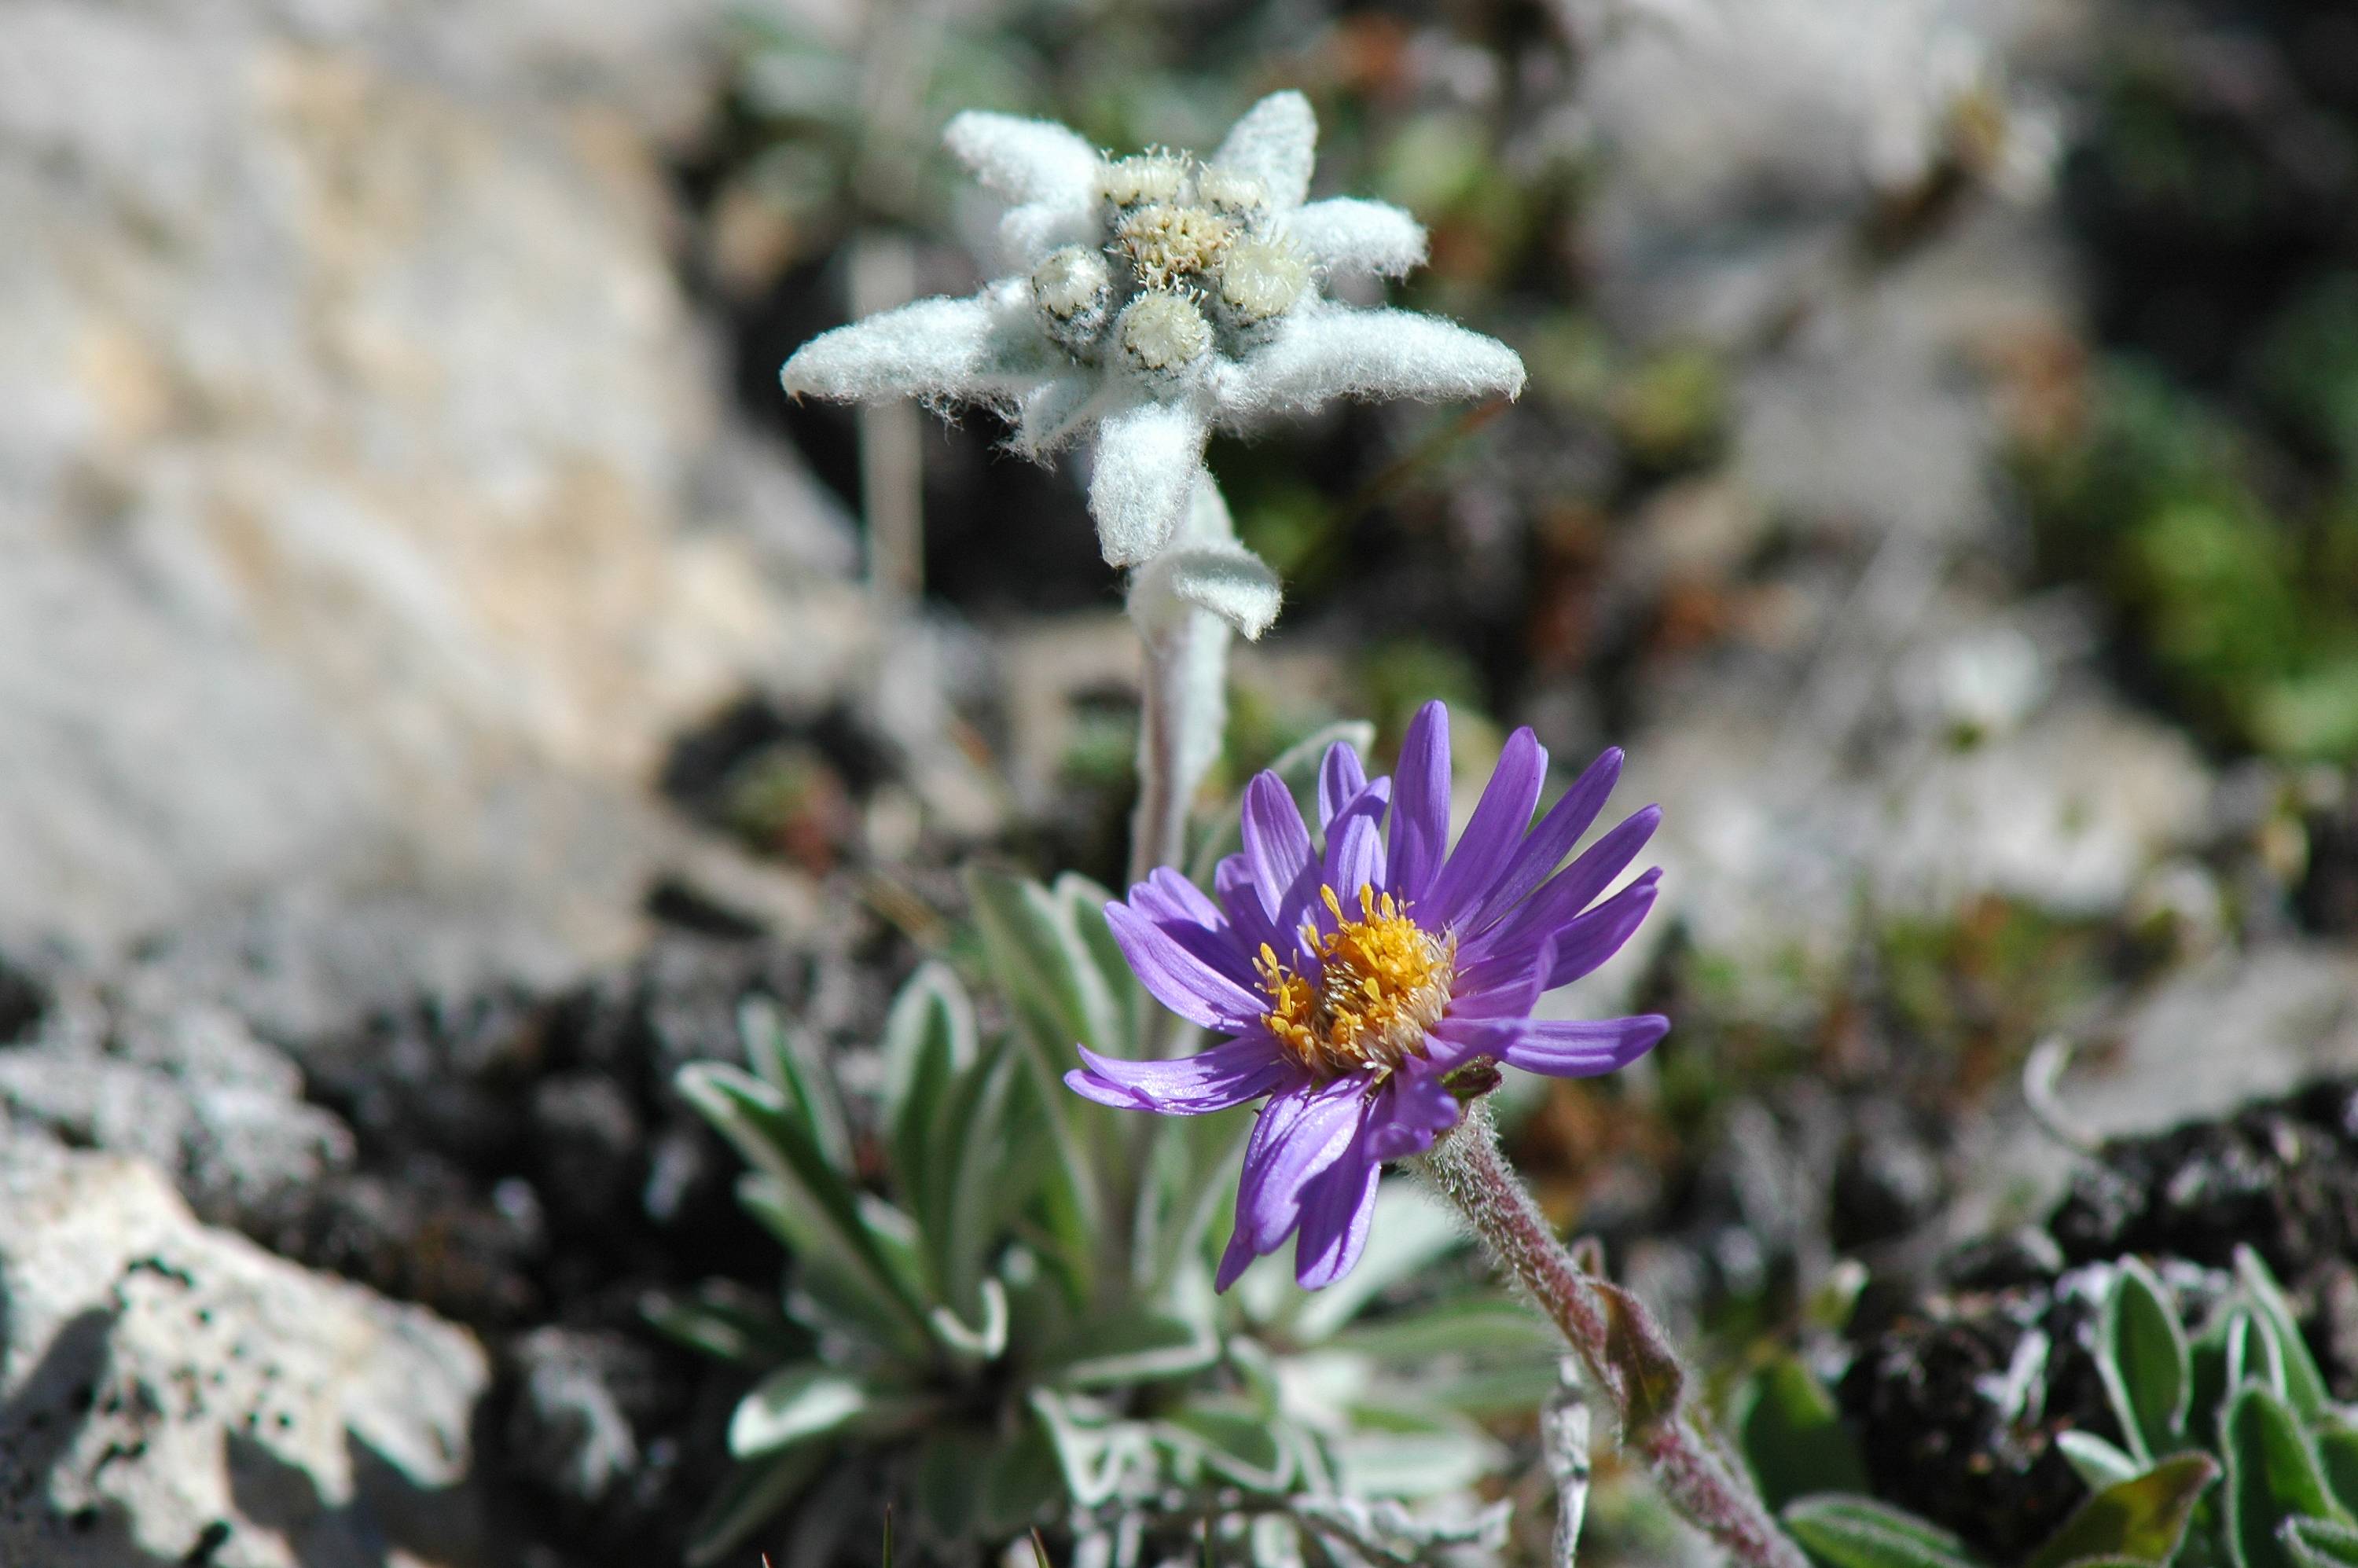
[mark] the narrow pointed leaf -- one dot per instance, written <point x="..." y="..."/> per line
<point x="1854" y="1532"/>
<point x="2143" y="1361"/>
<point x="2273" y="1475"/>
<point x="2144" y="1518"/>
<point x="788" y="1060"/>
<point x="2321" y="1543"/>
<point x="2304" y="1385"/>
<point x="2097" y="1463"/>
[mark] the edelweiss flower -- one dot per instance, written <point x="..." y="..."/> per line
<point x="1355" y="978"/>
<point x="1159" y="296"/>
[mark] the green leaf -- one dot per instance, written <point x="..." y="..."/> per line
<point x="2304" y="1385"/>
<point x="2097" y="1463"/>
<point x="1854" y="1532"/>
<point x="2143" y="1359"/>
<point x="1092" y="1448"/>
<point x="1033" y="948"/>
<point x="2273" y="1475"/>
<point x="805" y="1195"/>
<point x="2321" y="1543"/>
<point x="985" y="1182"/>
<point x="1479" y="1325"/>
<point x="983" y="1340"/>
<point x="792" y="1403"/>
<point x="2337" y="1451"/>
<point x="2144" y="1518"/>
<point x="853" y="1289"/>
<point x="929" y="1039"/>
<point x="1409" y="1231"/>
<point x="1792" y="1438"/>
<point x="1132" y="1345"/>
<point x="725" y="1320"/>
<point x="1398" y="1450"/>
<point x="749" y="1497"/>
<point x="788" y="1060"/>
<point x="1233" y="1439"/>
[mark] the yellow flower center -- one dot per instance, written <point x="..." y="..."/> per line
<point x="1384" y="982"/>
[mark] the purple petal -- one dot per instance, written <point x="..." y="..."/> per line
<point x="1355" y="849"/>
<point x="1166" y="898"/>
<point x="1599" y="934"/>
<point x="1421" y="803"/>
<point x="1231" y="1073"/>
<point x="1340" y="776"/>
<point x="1502" y="986"/>
<point x="1336" y="1211"/>
<point x="1581" y="1048"/>
<point x="1300" y="1133"/>
<point x="1180" y="980"/>
<point x="1555" y="906"/>
<point x="1411" y="1111"/>
<point x="1277" y="842"/>
<point x="1232" y="884"/>
<point x="1552" y="840"/>
<point x="1491" y="838"/>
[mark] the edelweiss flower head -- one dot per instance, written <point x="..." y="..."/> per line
<point x="1156" y="296"/>
<point x="1355" y="977"/>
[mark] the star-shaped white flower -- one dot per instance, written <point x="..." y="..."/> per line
<point x="1159" y="296"/>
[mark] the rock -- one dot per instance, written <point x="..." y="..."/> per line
<point x="571" y="1430"/>
<point x="372" y="523"/>
<point x="175" y="1394"/>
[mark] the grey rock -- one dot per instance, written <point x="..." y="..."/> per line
<point x="372" y="519"/>
<point x="173" y="1393"/>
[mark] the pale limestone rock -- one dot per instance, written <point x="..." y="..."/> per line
<point x="170" y="1389"/>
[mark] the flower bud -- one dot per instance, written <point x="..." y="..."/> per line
<point x="1260" y="280"/>
<point x="1143" y="178"/>
<point x="1243" y="197"/>
<point x="1162" y="333"/>
<point x="1072" y="289"/>
<point x="1166" y="243"/>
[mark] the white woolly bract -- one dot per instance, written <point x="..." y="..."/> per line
<point x="1276" y="143"/>
<point x="1023" y="160"/>
<point x="1345" y="234"/>
<point x="950" y="350"/>
<point x="1325" y="351"/>
<point x="1228" y="580"/>
<point x="1147" y="456"/>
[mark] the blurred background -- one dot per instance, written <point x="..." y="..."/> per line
<point x="440" y="673"/>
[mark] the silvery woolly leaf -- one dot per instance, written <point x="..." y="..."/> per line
<point x="980" y="1341"/>
<point x="1399" y="1450"/>
<point x="1227" y="580"/>
<point x="1344" y="234"/>
<point x="852" y="1291"/>
<point x="975" y="1183"/>
<point x="1234" y="1441"/>
<point x="1021" y="159"/>
<point x="1857" y="1532"/>
<point x="1132" y="1345"/>
<point x="807" y="1400"/>
<point x="1143" y="478"/>
<point x="1327" y="352"/>
<point x="950" y="351"/>
<point x="1093" y="1449"/>
<point x="1276" y="142"/>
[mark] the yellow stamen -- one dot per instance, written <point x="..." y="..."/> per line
<point x="1384" y="981"/>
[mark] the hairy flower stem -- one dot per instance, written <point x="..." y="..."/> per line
<point x="1621" y="1350"/>
<point x="1183" y="687"/>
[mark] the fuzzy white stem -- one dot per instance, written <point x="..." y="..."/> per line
<point x="1182" y="689"/>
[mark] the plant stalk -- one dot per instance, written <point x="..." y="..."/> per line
<point x="1182" y="689"/>
<point x="1620" y="1348"/>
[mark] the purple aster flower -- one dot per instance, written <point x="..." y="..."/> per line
<point x="1352" y="978"/>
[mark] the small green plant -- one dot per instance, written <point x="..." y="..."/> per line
<point x="2232" y="1450"/>
<point x="999" y="1302"/>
